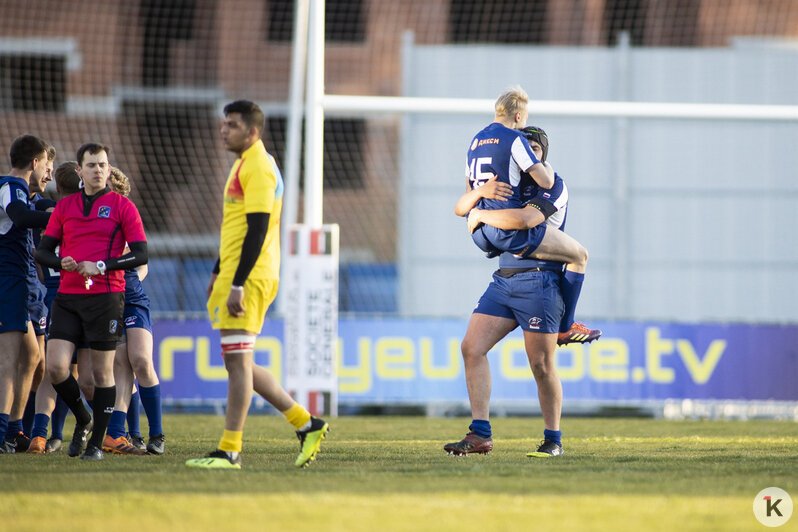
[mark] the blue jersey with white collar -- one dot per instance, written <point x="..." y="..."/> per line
<point x="15" y="242"/>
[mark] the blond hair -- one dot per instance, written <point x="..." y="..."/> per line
<point x="511" y="101"/>
<point x="119" y="182"/>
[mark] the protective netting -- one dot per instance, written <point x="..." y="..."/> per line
<point x="149" y="78"/>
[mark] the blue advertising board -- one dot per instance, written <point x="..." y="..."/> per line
<point x="410" y="360"/>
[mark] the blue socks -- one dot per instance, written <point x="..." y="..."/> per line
<point x="570" y="287"/>
<point x="30" y="411"/>
<point x="14" y="427"/>
<point x="480" y="427"/>
<point x="58" y="419"/>
<point x="40" y="422"/>
<point x="133" y="410"/>
<point x="553" y="435"/>
<point x="116" y="426"/>
<point x="151" y="399"/>
<point x="3" y="427"/>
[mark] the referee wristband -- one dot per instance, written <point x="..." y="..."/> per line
<point x="237" y="288"/>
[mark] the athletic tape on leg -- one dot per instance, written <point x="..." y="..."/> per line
<point x="237" y="343"/>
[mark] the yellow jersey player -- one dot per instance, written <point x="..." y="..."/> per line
<point x="243" y="285"/>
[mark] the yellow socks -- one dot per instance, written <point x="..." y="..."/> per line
<point x="297" y="416"/>
<point x="231" y="441"/>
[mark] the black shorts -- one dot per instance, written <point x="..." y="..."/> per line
<point x="92" y="318"/>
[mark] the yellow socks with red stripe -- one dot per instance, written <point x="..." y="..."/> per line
<point x="231" y="441"/>
<point x="298" y="416"/>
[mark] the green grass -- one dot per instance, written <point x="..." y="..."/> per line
<point x="390" y="473"/>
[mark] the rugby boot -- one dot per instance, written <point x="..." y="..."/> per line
<point x="472" y="443"/>
<point x="547" y="449"/>
<point x="38" y="445"/>
<point x="137" y="441"/>
<point x="310" y="441"/>
<point x="18" y="441"/>
<point x="218" y="459"/>
<point x="79" y="438"/>
<point x="578" y="334"/>
<point x="92" y="454"/>
<point x="54" y="445"/>
<point x="155" y="445"/>
<point x="120" y="445"/>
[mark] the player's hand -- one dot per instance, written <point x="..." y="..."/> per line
<point x="87" y="268"/>
<point x="235" y="304"/>
<point x="473" y="220"/>
<point x="495" y="189"/>
<point x="69" y="264"/>
<point x="209" y="290"/>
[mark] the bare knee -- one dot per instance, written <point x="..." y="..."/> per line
<point x="541" y="369"/>
<point x="581" y="256"/>
<point x="86" y="384"/>
<point x="470" y="351"/>
<point x="234" y="363"/>
<point x="57" y="373"/>
<point x="143" y="368"/>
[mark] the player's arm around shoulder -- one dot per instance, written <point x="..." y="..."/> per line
<point x="491" y="189"/>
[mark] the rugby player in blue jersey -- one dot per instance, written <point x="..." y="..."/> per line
<point x="28" y="156"/>
<point x="33" y="344"/>
<point x="523" y="233"/>
<point x="524" y="291"/>
<point x="133" y="360"/>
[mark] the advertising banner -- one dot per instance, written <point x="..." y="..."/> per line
<point x="413" y="360"/>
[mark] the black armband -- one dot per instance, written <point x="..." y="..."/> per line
<point x="547" y="208"/>
<point x="136" y="257"/>
<point x="45" y="253"/>
<point x="24" y="218"/>
<point x="257" y="225"/>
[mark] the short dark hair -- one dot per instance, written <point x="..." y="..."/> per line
<point x="251" y="114"/>
<point x="25" y="149"/>
<point x="67" y="180"/>
<point x="92" y="148"/>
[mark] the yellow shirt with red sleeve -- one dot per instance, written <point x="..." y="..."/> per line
<point x="254" y="185"/>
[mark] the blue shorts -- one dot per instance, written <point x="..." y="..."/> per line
<point x="137" y="316"/>
<point x="531" y="298"/>
<point x="13" y="304"/>
<point x="522" y="242"/>
<point x="37" y="309"/>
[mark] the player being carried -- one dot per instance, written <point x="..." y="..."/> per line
<point x="509" y="217"/>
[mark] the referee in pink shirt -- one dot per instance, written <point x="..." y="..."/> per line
<point x="91" y="227"/>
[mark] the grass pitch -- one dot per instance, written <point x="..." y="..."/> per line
<point x="390" y="473"/>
